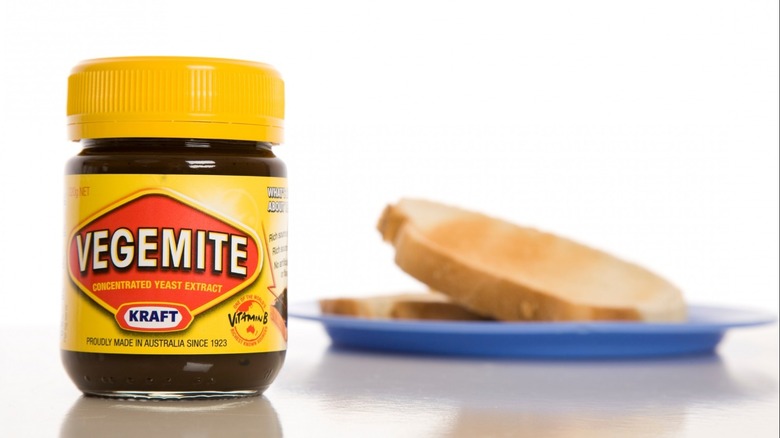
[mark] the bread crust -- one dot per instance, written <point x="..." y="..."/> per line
<point x="536" y="278"/>
<point x="432" y="305"/>
<point x="439" y="311"/>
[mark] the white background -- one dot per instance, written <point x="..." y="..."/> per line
<point x="645" y="128"/>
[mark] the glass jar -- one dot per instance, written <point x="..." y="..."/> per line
<point x="176" y="228"/>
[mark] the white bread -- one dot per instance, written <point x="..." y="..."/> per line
<point x="432" y="305"/>
<point x="509" y="272"/>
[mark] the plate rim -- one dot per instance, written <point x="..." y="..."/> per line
<point x="308" y="310"/>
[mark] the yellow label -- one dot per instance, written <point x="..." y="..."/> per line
<point x="175" y="264"/>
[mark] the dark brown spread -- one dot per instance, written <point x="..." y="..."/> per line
<point x="203" y="374"/>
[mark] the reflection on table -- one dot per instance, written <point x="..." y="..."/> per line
<point x="96" y="417"/>
<point x="432" y="396"/>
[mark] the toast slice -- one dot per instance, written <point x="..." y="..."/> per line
<point x="509" y="272"/>
<point x="401" y="306"/>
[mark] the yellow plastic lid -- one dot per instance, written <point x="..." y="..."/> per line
<point x="175" y="97"/>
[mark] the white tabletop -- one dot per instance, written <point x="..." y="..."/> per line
<point x="322" y="392"/>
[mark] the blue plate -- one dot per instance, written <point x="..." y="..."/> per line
<point x="702" y="332"/>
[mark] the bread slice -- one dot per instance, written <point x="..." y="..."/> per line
<point x="509" y="272"/>
<point x="401" y="306"/>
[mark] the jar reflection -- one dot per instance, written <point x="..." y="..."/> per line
<point x="94" y="417"/>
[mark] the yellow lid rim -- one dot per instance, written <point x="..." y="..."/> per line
<point x="190" y="61"/>
<point x="176" y="129"/>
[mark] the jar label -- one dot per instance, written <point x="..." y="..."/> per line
<point x="175" y="264"/>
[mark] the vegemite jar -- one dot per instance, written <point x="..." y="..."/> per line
<point x="175" y="266"/>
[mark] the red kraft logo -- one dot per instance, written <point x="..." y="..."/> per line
<point x="156" y="259"/>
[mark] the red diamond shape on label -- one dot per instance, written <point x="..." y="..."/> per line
<point x="157" y="258"/>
